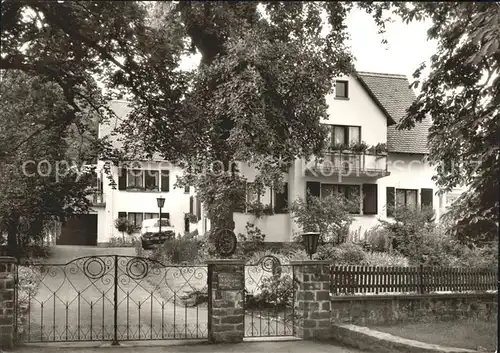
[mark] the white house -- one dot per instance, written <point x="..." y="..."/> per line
<point x="364" y="107"/>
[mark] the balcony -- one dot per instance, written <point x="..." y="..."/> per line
<point x="349" y="164"/>
<point x="97" y="199"/>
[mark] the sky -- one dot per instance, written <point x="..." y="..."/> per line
<point x="406" y="49"/>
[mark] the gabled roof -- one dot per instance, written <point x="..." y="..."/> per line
<point x="393" y="94"/>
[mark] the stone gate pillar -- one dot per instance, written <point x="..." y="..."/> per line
<point x="226" y="313"/>
<point x="7" y="301"/>
<point x="312" y="303"/>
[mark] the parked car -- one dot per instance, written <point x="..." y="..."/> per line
<point x="150" y="232"/>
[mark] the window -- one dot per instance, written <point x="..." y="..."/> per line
<point x="406" y="198"/>
<point x="186" y="189"/>
<point x="135" y="219"/>
<point x="272" y="200"/>
<point x="151" y="180"/>
<point x="345" y="135"/>
<point x="151" y="215"/>
<point x="341" y="89"/>
<point x="135" y="179"/>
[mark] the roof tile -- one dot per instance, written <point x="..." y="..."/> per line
<point x="394" y="93"/>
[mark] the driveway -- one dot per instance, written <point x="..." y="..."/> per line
<point x="76" y="298"/>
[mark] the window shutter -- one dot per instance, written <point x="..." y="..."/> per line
<point x="281" y="200"/>
<point x="390" y="194"/>
<point x="426" y="196"/>
<point x="191" y="204"/>
<point x="370" y="199"/>
<point x="313" y="189"/>
<point x="165" y="180"/>
<point x="165" y="215"/>
<point x="122" y="214"/>
<point x="198" y="208"/>
<point x="122" y="178"/>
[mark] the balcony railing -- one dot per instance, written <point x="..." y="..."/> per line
<point x="97" y="199"/>
<point x="350" y="164"/>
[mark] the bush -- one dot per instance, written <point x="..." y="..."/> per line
<point x="385" y="259"/>
<point x="408" y="224"/>
<point x="330" y="215"/>
<point x="379" y="238"/>
<point x="252" y="241"/>
<point x="276" y="291"/>
<point x="28" y="281"/>
<point x="482" y="257"/>
<point x="117" y="242"/>
<point x="343" y="254"/>
<point x="177" y="251"/>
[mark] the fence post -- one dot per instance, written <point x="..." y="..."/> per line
<point x="7" y="301"/>
<point x="312" y="300"/>
<point x="421" y="275"/>
<point x="226" y="314"/>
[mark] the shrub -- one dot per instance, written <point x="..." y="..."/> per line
<point x="482" y="257"/>
<point x="330" y="215"/>
<point x="407" y="226"/>
<point x="116" y="242"/>
<point x="379" y="238"/>
<point x="251" y="242"/>
<point x="385" y="259"/>
<point x="177" y="251"/>
<point x="28" y="281"/>
<point x="343" y="254"/>
<point x="276" y="291"/>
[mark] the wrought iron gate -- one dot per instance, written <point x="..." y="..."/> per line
<point x="111" y="298"/>
<point x="269" y="298"/>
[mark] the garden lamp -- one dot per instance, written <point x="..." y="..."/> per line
<point x="310" y="242"/>
<point x="161" y="202"/>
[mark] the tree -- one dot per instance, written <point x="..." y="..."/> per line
<point x="257" y="96"/>
<point x="36" y="186"/>
<point x="462" y="96"/>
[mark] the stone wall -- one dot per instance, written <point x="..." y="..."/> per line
<point x="312" y="305"/>
<point x="7" y="299"/>
<point x="225" y="310"/>
<point x="381" y="309"/>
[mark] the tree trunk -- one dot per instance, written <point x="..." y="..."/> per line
<point x="12" y="245"/>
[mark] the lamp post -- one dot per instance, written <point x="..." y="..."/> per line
<point x="310" y="242"/>
<point x="161" y="202"/>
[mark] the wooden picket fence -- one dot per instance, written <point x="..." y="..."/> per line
<point x="350" y="280"/>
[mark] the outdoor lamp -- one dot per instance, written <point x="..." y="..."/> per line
<point x="161" y="202"/>
<point x="310" y="242"/>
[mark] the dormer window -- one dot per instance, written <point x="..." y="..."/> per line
<point x="341" y="89"/>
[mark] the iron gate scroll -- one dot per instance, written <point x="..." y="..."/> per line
<point x="269" y="298"/>
<point x="111" y="298"/>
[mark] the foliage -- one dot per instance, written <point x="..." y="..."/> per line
<point x="343" y="254"/>
<point x="379" y="238"/>
<point x="330" y="215"/>
<point x="408" y="223"/>
<point x="192" y="217"/>
<point x="28" y="280"/>
<point x="116" y="242"/>
<point x="122" y="224"/>
<point x="358" y="146"/>
<point x="462" y="95"/>
<point x="276" y="291"/>
<point x="385" y="259"/>
<point x="482" y="257"/>
<point x="177" y="251"/>
<point x="381" y="148"/>
<point x="37" y="187"/>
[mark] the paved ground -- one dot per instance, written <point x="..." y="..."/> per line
<point x="245" y="347"/>
<point x="75" y="298"/>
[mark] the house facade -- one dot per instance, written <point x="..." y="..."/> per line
<point x="369" y="158"/>
<point x="392" y="170"/>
